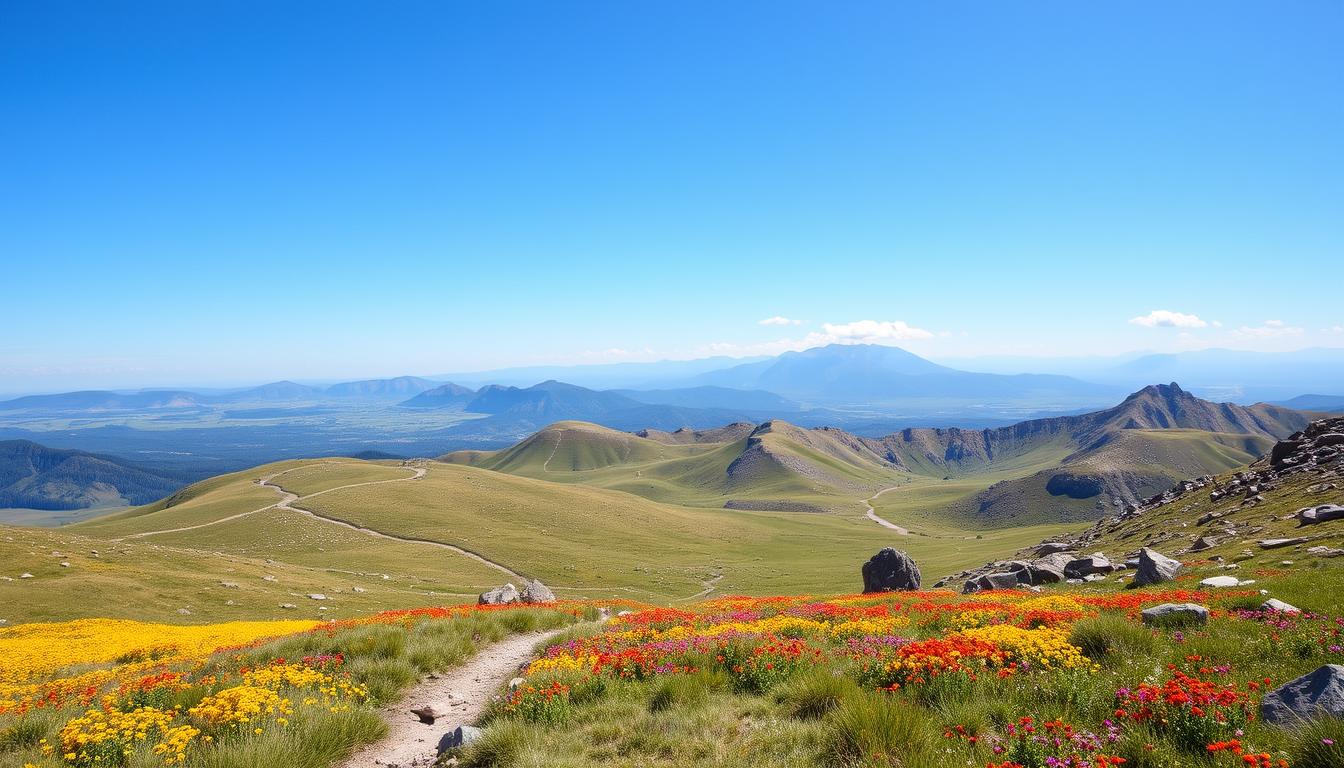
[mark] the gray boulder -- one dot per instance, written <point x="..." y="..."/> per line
<point x="890" y="571"/>
<point x="1275" y="604"/>
<point x="1278" y="543"/>
<point x="1203" y="542"/>
<point x="535" y="592"/>
<point x="1176" y="613"/>
<point x="499" y="596"/>
<point x="990" y="581"/>
<point x="1319" y="514"/>
<point x="1315" y="694"/>
<point x="457" y="738"/>
<point x="1086" y="566"/>
<point x="1155" y="568"/>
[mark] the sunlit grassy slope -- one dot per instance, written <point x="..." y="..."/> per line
<point x="584" y="541"/>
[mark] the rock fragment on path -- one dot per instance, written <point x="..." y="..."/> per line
<point x="427" y="714"/>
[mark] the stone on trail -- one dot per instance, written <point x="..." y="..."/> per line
<point x="1155" y="568"/>
<point x="459" y="737"/>
<point x="1315" y="694"/>
<point x="503" y="595"/>
<point x="1221" y="581"/>
<point x="427" y="714"/>
<point x="890" y="571"/>
<point x="1275" y="604"/>
<point x="1169" y="613"/>
<point x="535" y="592"/>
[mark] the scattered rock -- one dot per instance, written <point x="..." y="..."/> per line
<point x="1085" y="566"/>
<point x="1315" y="694"/>
<point x="26" y="576"/>
<point x="288" y="606"/>
<point x="1319" y="514"/>
<point x="535" y="592"/>
<point x="1155" y="568"/>
<point x="1221" y="581"/>
<point x="990" y="581"/>
<point x="1051" y="548"/>
<point x="503" y="595"/>
<point x="229" y="584"/>
<point x="65" y="564"/>
<point x="1277" y="543"/>
<point x="459" y="737"/>
<point x="1275" y="604"/>
<point x="1203" y="542"/>
<point x="358" y="589"/>
<point x="1325" y="551"/>
<point x="1176" y="613"/>
<point x="268" y="577"/>
<point x="317" y="596"/>
<point x="184" y="611"/>
<point x="890" y="571"/>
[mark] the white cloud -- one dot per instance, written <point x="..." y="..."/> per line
<point x="1334" y="330"/>
<point x="857" y="332"/>
<point x="1165" y="318"/>
<point x="779" y="320"/>
<point x="1270" y="330"/>
<point x="872" y="331"/>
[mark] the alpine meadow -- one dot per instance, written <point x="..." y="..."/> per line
<point x="745" y="385"/>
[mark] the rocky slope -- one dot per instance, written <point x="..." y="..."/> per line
<point x="1283" y="510"/>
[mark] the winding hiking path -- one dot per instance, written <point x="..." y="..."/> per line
<point x="871" y="514"/>
<point x="289" y="498"/>
<point x="462" y="693"/>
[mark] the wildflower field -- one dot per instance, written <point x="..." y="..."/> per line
<point x="101" y="692"/>
<point x="999" y="679"/>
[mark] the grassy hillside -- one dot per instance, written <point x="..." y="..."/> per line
<point x="583" y="541"/>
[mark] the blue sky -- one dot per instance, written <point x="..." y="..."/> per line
<point x="228" y="192"/>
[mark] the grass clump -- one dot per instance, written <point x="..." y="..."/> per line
<point x="1318" y="744"/>
<point x="882" y="729"/>
<point x="815" y="693"/>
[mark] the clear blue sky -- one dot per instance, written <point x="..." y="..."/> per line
<point x="238" y="191"/>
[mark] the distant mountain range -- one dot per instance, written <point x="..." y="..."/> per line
<point x="1062" y="468"/>
<point x="37" y="477"/>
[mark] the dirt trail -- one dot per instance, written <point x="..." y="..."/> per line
<point x="463" y="693"/>
<point x="871" y="514"/>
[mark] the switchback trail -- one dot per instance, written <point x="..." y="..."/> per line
<point x="871" y="514"/>
<point x="289" y="498"/>
<point x="462" y="693"/>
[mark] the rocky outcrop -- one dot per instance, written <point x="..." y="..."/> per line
<point x="1155" y="568"/>
<point x="890" y="571"/>
<point x="1275" y="604"/>
<point x="1316" y="694"/>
